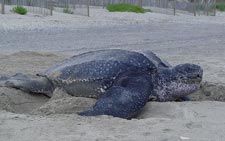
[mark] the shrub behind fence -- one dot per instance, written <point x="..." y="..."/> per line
<point x="195" y="7"/>
<point x="200" y="7"/>
<point x="80" y="7"/>
<point x="33" y="6"/>
<point x="45" y="7"/>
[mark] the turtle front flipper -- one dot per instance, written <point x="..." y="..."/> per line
<point x="32" y="84"/>
<point x="125" y="99"/>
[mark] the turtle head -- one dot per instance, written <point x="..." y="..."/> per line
<point x="187" y="73"/>
<point x="178" y="82"/>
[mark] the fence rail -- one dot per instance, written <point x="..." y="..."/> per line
<point x="45" y="7"/>
<point x="200" y="7"/>
<point x="39" y="7"/>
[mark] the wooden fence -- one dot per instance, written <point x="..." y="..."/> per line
<point x="46" y="7"/>
<point x="195" y="7"/>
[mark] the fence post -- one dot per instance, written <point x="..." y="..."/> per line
<point x="3" y="6"/>
<point x="174" y="7"/>
<point x="88" y="7"/>
<point x="103" y="4"/>
<point x="207" y="8"/>
<point x="214" y="8"/>
<point x="194" y="7"/>
<point x="51" y="7"/>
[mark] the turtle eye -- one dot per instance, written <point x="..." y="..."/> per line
<point x="152" y="98"/>
<point x="181" y="77"/>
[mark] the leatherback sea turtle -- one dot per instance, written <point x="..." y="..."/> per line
<point x="123" y="81"/>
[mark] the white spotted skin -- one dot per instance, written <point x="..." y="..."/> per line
<point x="173" y="91"/>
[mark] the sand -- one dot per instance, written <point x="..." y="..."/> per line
<point x="98" y="17"/>
<point x="27" y="117"/>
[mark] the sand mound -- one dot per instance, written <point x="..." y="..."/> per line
<point x="192" y="120"/>
<point x="62" y="103"/>
<point x="210" y="92"/>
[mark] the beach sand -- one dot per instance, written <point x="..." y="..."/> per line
<point x="25" y="116"/>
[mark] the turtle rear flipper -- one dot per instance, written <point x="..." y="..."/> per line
<point x="3" y="79"/>
<point x="33" y="84"/>
<point x="125" y="99"/>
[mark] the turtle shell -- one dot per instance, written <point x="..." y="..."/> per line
<point x="90" y="74"/>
